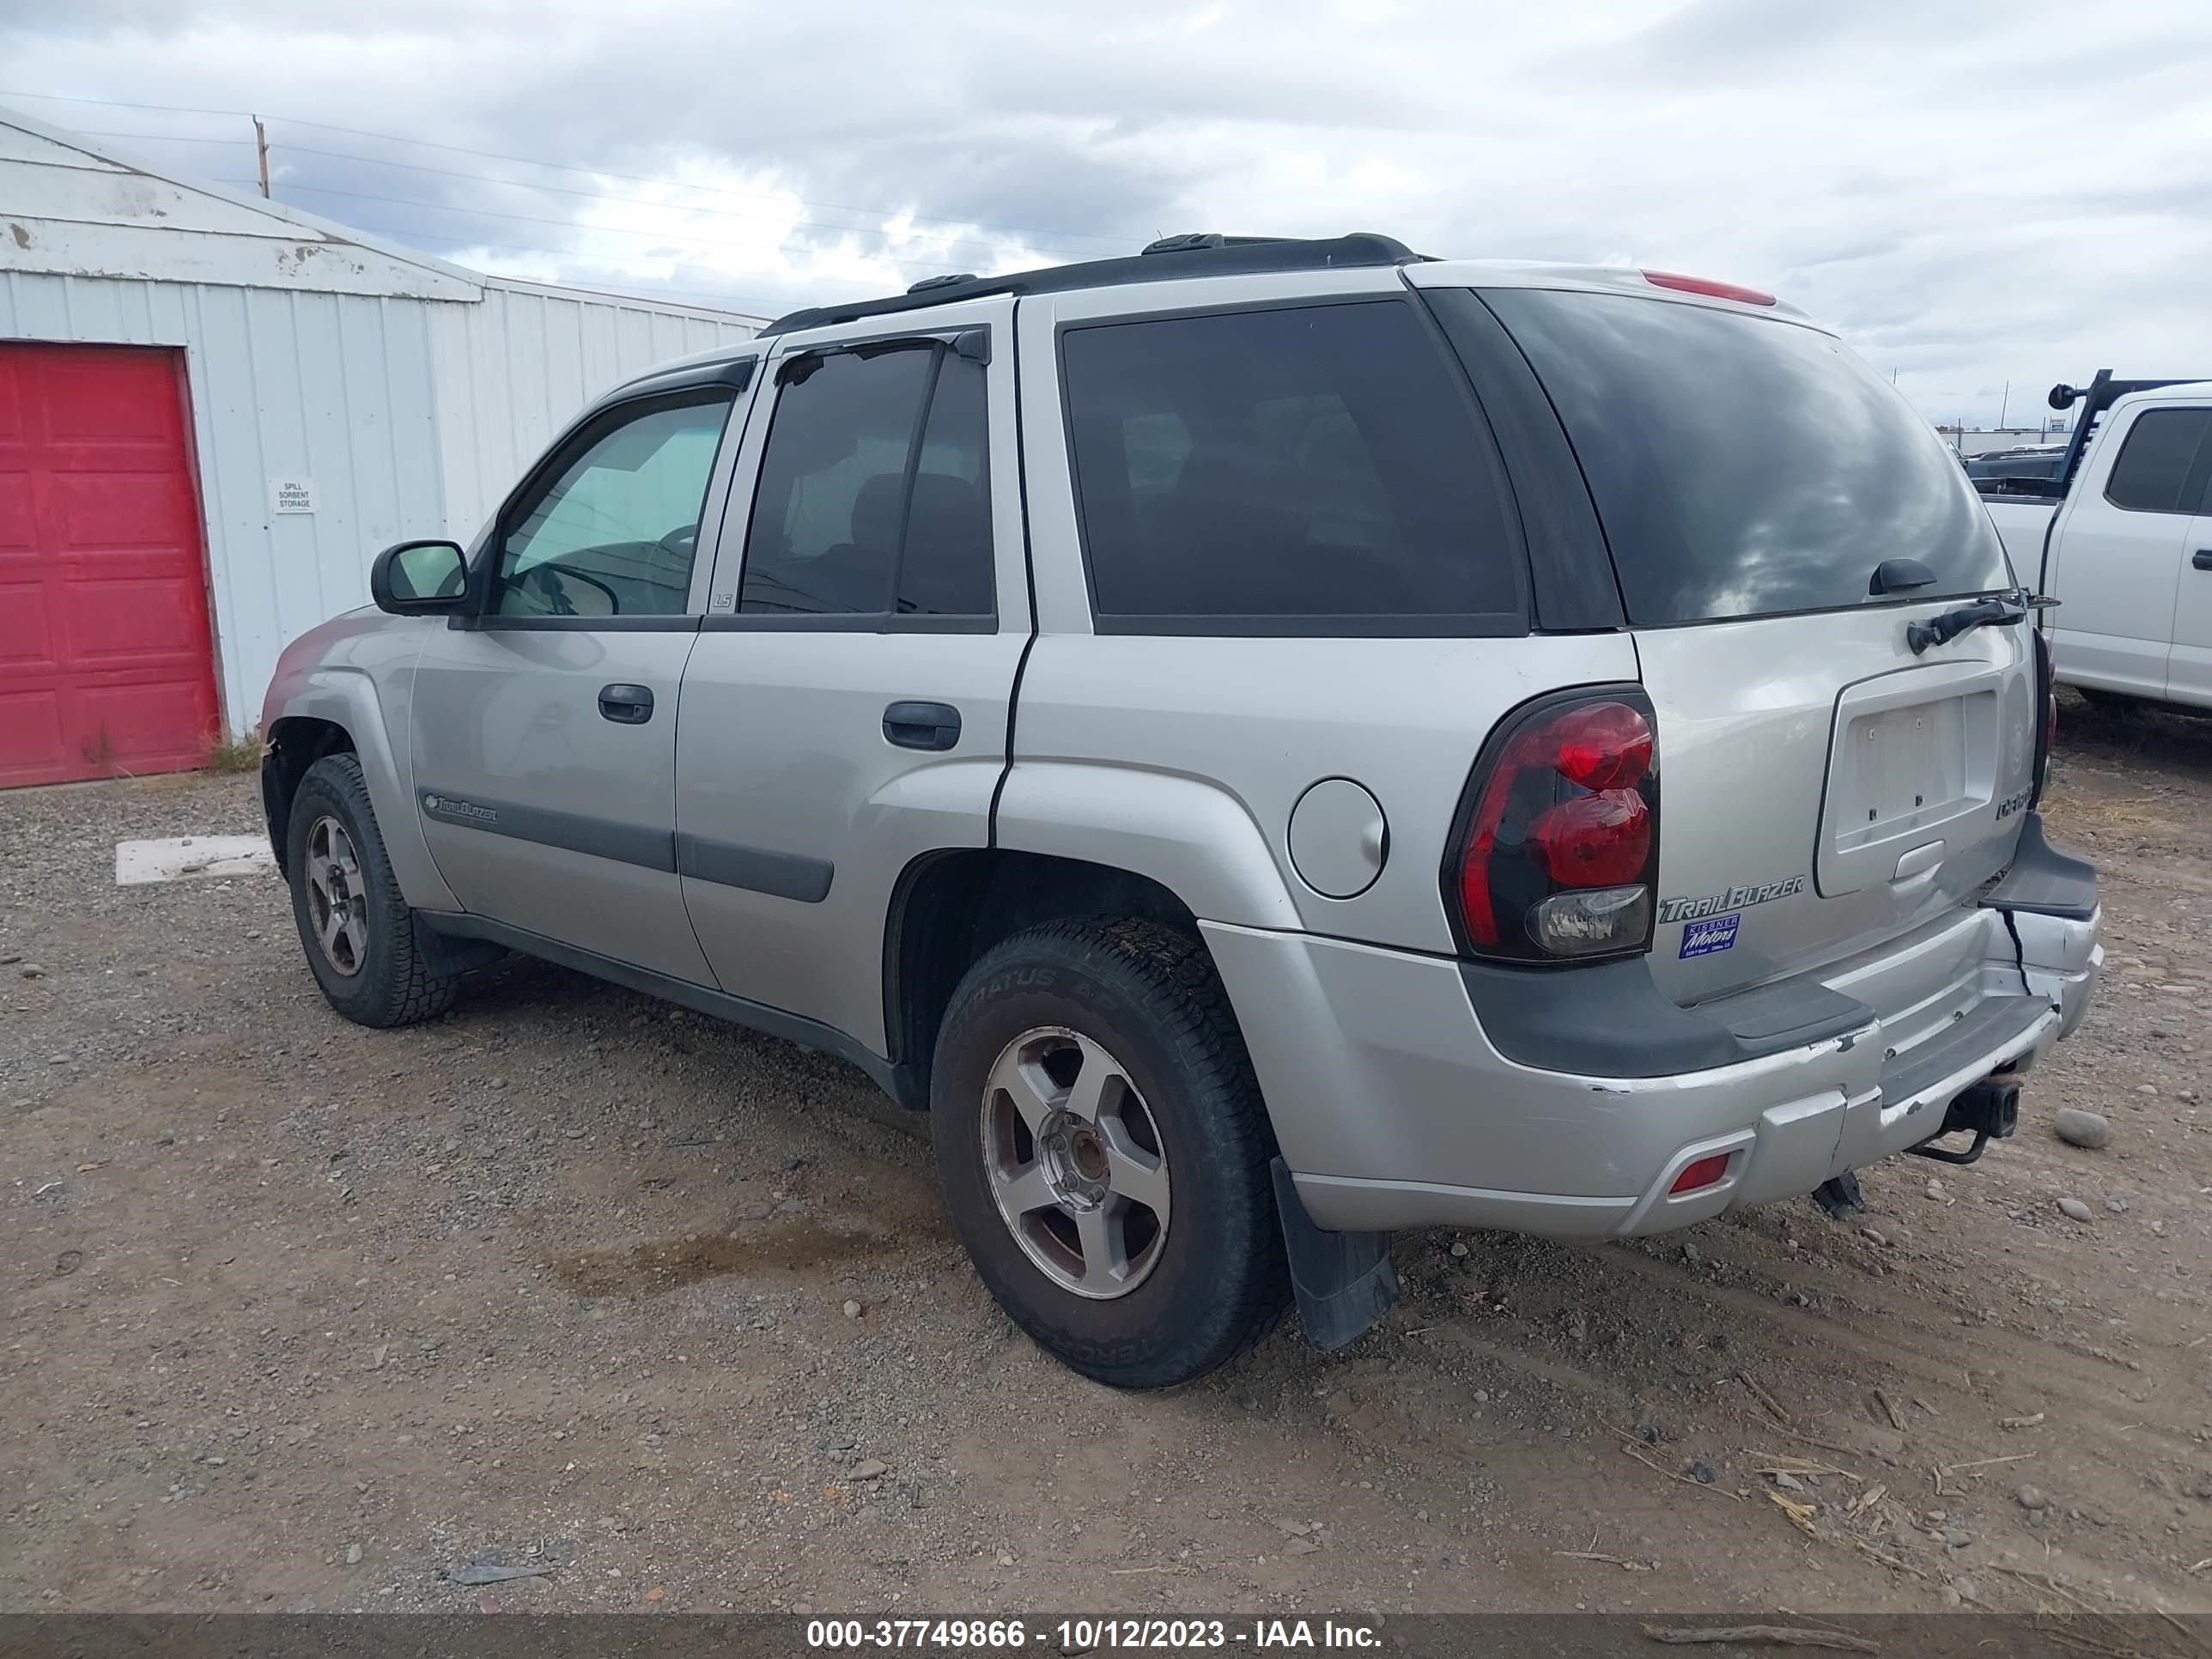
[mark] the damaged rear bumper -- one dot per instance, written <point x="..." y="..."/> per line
<point x="1401" y="1093"/>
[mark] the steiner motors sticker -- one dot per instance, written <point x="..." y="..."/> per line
<point x="1701" y="939"/>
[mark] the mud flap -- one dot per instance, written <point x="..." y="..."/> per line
<point x="1840" y="1196"/>
<point x="451" y="953"/>
<point x="1344" y="1281"/>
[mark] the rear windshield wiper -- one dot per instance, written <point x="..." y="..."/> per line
<point x="2002" y="609"/>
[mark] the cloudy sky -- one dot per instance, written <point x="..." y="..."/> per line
<point x="1975" y="192"/>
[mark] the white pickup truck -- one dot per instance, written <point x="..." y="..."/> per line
<point x="2122" y="537"/>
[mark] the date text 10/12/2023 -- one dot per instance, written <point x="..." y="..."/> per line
<point x="1086" y="1635"/>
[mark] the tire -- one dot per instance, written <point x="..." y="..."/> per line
<point x="375" y="968"/>
<point x="1175" y="1116"/>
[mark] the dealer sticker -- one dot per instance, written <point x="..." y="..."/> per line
<point x="1701" y="939"/>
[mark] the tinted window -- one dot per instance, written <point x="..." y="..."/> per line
<point x="945" y="569"/>
<point x="1744" y="467"/>
<point x="2158" y="471"/>
<point x="613" y="531"/>
<point x="853" y="480"/>
<point x="1318" y="462"/>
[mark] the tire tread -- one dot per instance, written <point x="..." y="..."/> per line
<point x="1206" y="1016"/>
<point x="409" y="989"/>
<point x="1177" y="992"/>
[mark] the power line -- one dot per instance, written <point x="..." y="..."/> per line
<point x="111" y="103"/>
<point x="770" y="307"/>
<point x="723" y="189"/>
<point x="565" y="189"/>
<point x="562" y="166"/>
<point x="157" y="137"/>
<point x="675" y="207"/>
<point x="413" y="238"/>
<point x="660" y="234"/>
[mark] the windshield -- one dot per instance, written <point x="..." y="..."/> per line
<point x="1743" y="466"/>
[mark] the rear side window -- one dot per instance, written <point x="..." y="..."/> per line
<point x="945" y="566"/>
<point x="874" y="494"/>
<point x="2162" y="465"/>
<point x="1306" y="470"/>
<point x="1743" y="466"/>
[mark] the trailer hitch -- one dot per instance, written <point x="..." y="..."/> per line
<point x="1990" y="1109"/>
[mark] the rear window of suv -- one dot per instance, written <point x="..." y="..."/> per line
<point x="1744" y="467"/>
<point x="1304" y="468"/>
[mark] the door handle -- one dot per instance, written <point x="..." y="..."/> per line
<point x="626" y="705"/>
<point x="2204" y="559"/>
<point x="933" y="726"/>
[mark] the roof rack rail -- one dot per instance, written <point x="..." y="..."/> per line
<point x="1204" y="254"/>
<point x="929" y="283"/>
<point x="1195" y="238"/>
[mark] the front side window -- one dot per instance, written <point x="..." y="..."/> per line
<point x="1249" y="472"/>
<point x="613" y="532"/>
<point x="874" y="491"/>
<point x="2162" y="465"/>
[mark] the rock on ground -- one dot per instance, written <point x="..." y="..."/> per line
<point x="2077" y="1127"/>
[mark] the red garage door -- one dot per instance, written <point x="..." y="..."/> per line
<point x="107" y="665"/>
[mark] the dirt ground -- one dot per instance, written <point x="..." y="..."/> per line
<point x="301" y="1315"/>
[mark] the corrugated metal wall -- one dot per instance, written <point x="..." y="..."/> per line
<point x="513" y="367"/>
<point x="409" y="392"/>
<point x="412" y="417"/>
<point x="335" y="388"/>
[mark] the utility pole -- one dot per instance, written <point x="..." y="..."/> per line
<point x="261" y="153"/>
<point x="2004" y="403"/>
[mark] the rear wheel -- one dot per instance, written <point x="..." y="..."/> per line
<point x="1104" y="1151"/>
<point x="360" y="936"/>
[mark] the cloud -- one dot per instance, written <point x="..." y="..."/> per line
<point x="1974" y="195"/>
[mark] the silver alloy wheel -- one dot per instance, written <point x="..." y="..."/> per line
<point x="336" y="906"/>
<point x="1075" y="1162"/>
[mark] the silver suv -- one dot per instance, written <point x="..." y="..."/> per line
<point x="1194" y="724"/>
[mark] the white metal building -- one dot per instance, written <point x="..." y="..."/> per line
<point x="214" y="410"/>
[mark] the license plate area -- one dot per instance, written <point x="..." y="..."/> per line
<point x="1915" y="756"/>
<point x="1900" y="770"/>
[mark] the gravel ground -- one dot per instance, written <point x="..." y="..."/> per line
<point x="300" y="1316"/>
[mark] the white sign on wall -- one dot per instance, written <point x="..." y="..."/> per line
<point x="291" y="495"/>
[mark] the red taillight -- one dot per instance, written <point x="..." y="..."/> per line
<point x="1603" y="745"/>
<point x="1706" y="285"/>
<point x="1482" y="840"/>
<point x="1702" y="1172"/>
<point x="1592" y="841"/>
<point x="1566" y="808"/>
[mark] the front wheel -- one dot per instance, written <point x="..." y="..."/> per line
<point x="1105" y="1154"/>
<point x="358" y="935"/>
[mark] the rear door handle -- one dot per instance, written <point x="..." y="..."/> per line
<point x="933" y="726"/>
<point x="2204" y="559"/>
<point x="626" y="705"/>
<point x="1920" y="860"/>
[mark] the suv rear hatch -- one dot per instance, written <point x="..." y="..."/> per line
<point x="1827" y="791"/>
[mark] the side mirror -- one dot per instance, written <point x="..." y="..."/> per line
<point x="420" y="579"/>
